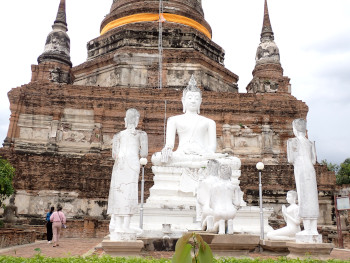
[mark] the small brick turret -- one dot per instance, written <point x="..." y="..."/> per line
<point x="268" y="72"/>
<point x="54" y="63"/>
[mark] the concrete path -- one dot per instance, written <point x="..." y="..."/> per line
<point x="88" y="246"/>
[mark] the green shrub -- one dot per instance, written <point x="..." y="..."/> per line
<point x="192" y="248"/>
<point x="7" y="172"/>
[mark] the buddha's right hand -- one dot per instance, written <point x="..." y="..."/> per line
<point x="167" y="152"/>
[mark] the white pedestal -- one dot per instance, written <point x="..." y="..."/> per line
<point x="313" y="239"/>
<point x="247" y="221"/>
<point x="170" y="203"/>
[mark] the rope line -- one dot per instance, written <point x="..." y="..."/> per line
<point x="160" y="45"/>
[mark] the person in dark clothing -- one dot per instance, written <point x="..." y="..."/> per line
<point x="49" y="225"/>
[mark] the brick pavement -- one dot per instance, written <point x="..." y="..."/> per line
<point x="87" y="246"/>
<point x="67" y="247"/>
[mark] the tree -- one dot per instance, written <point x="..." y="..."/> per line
<point x="7" y="172"/>
<point x="331" y="166"/>
<point x="343" y="176"/>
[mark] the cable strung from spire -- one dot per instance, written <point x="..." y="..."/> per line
<point x="160" y="45"/>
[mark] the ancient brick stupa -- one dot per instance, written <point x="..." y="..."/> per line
<point x="62" y="122"/>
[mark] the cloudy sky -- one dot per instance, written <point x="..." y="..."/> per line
<point x="313" y="37"/>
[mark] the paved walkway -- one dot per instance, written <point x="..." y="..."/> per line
<point x="88" y="246"/>
<point x="67" y="247"/>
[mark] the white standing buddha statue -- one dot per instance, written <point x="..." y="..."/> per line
<point x="301" y="153"/>
<point x="128" y="146"/>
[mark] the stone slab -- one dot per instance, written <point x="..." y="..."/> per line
<point x="278" y="247"/>
<point x="122" y="248"/>
<point x="231" y="245"/>
<point x="306" y="250"/>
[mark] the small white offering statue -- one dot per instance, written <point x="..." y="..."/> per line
<point x="301" y="153"/>
<point x="128" y="146"/>
<point x="222" y="204"/>
<point x="291" y="216"/>
<point x="203" y="190"/>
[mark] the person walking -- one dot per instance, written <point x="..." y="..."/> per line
<point x="57" y="218"/>
<point x="49" y="225"/>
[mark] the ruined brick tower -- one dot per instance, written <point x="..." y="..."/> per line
<point x="62" y="122"/>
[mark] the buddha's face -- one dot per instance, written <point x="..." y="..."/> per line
<point x="192" y="101"/>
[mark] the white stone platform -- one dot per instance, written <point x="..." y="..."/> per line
<point x="172" y="201"/>
<point x="247" y="221"/>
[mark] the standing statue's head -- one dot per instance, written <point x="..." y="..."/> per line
<point x="299" y="126"/>
<point x="213" y="167"/>
<point x="131" y="119"/>
<point x="12" y="200"/>
<point x="225" y="172"/>
<point x="192" y="97"/>
<point x="291" y="196"/>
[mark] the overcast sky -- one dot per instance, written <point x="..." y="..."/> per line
<point x="313" y="37"/>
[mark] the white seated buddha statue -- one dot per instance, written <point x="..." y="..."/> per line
<point x="197" y="134"/>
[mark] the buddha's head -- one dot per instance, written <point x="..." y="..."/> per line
<point x="213" y="167"/>
<point x="12" y="200"/>
<point x="225" y="172"/>
<point x="291" y="197"/>
<point x="299" y="127"/>
<point x="131" y="119"/>
<point x="192" y="97"/>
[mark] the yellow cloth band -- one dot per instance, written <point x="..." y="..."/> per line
<point x="144" y="17"/>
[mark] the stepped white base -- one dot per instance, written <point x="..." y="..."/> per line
<point x="173" y="201"/>
<point x="247" y="221"/>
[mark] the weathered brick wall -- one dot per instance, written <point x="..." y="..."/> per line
<point x="13" y="237"/>
<point x="51" y="170"/>
<point x="76" y="228"/>
<point x="109" y="105"/>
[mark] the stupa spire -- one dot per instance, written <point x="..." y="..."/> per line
<point x="267" y="52"/>
<point x="266" y="32"/>
<point x="57" y="46"/>
<point x="61" y="16"/>
<point x="268" y="72"/>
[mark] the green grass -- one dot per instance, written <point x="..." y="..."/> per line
<point x="107" y="259"/>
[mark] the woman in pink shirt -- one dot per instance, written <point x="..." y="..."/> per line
<point x="57" y="218"/>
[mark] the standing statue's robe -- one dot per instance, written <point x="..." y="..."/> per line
<point x="301" y="153"/>
<point x="123" y="193"/>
